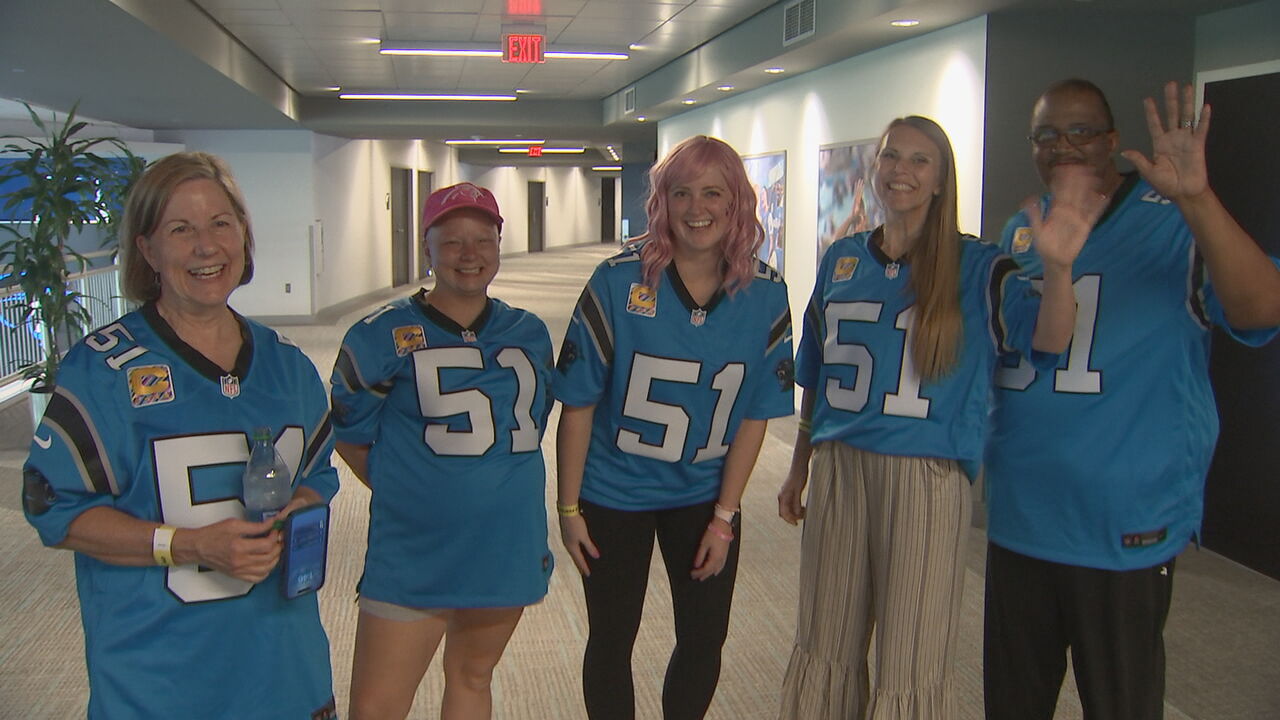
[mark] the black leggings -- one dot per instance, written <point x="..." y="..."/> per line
<point x="615" y="601"/>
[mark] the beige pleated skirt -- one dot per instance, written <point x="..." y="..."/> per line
<point x="883" y="550"/>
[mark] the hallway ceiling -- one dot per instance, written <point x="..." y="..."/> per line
<point x="274" y="64"/>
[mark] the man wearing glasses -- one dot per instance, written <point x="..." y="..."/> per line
<point x="1095" y="471"/>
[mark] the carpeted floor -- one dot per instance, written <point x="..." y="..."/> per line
<point x="1223" y="634"/>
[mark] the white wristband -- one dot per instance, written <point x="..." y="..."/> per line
<point x="162" y="545"/>
<point x="724" y="513"/>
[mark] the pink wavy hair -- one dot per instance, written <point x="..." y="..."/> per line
<point x="684" y="163"/>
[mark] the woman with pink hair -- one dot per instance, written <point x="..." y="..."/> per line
<point x="678" y="353"/>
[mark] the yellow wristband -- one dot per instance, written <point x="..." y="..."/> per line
<point x="568" y="510"/>
<point x="162" y="545"/>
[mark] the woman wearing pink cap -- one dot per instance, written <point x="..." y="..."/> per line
<point x="440" y="400"/>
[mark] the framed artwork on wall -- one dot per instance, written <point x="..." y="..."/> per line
<point x="846" y="203"/>
<point x="768" y="175"/>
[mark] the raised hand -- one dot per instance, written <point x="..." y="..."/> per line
<point x="1177" y="166"/>
<point x="1075" y="206"/>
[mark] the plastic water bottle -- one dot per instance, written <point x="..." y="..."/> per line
<point x="268" y="482"/>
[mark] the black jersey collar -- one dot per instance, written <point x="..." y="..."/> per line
<point x="874" y="241"/>
<point x="191" y="356"/>
<point x="686" y="299"/>
<point x="449" y="324"/>
<point x="1127" y="185"/>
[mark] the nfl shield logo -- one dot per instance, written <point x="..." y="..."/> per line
<point x="230" y="385"/>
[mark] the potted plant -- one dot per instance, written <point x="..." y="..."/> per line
<point x="62" y="186"/>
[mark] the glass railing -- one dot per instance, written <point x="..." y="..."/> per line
<point x="21" y="338"/>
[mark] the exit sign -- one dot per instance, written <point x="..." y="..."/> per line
<point x="523" y="48"/>
<point x="535" y="151"/>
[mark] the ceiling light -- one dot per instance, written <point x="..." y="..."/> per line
<point x="331" y="88"/>
<point x="775" y="70"/>
<point x="476" y="49"/>
<point x="688" y="101"/>
<point x="546" y="150"/>
<point x="724" y="88"/>
<point x="443" y="52"/>
<point x="475" y="141"/>
<point x="583" y="55"/>
<point x="635" y="46"/>
<point x="522" y="91"/>
<point x="423" y="96"/>
<point x="607" y="168"/>
<point x="905" y="23"/>
<point x="641" y="118"/>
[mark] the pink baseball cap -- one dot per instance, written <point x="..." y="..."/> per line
<point x="455" y="197"/>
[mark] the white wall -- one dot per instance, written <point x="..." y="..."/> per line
<point x="319" y="210"/>
<point x="940" y="75"/>
<point x="274" y="171"/>
<point x="572" y="214"/>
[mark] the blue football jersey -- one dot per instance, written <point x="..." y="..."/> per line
<point x="1101" y="461"/>
<point x="855" y="353"/>
<point x="671" y="380"/>
<point x="142" y="423"/>
<point x="455" y="418"/>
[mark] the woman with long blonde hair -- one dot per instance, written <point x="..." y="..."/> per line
<point x="903" y="333"/>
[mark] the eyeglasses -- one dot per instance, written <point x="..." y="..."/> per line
<point x="1047" y="137"/>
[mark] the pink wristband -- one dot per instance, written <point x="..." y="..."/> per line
<point x="727" y="537"/>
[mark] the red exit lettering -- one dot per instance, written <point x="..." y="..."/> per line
<point x="523" y="48"/>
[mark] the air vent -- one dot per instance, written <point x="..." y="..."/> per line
<point x="798" y="20"/>
<point x="628" y="101"/>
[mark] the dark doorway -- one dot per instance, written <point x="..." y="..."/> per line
<point x="608" y="216"/>
<point x="424" y="189"/>
<point x="537" y="214"/>
<point x="1242" y="498"/>
<point x="401" y="225"/>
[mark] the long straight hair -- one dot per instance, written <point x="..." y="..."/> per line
<point x="684" y="163"/>
<point x="938" y="330"/>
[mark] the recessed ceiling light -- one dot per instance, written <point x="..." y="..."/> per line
<point x="424" y="96"/>
<point x="635" y="46"/>
<point x="331" y="88"/>
<point x="368" y="41"/>
<point x="688" y="101"/>
<point x="724" y="88"/>
<point x="522" y="91"/>
<point x="775" y="70"/>
<point x="641" y="118"/>
<point x="607" y="168"/>
<point x="905" y="23"/>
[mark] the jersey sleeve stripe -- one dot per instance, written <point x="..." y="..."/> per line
<point x="317" y="442"/>
<point x="349" y="371"/>
<point x="597" y="325"/>
<point x="1003" y="270"/>
<point x="1197" y="278"/>
<point x="67" y="416"/>
<point x="780" y="329"/>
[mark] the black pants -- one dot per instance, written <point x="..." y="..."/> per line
<point x="615" y="601"/>
<point x="1113" y="622"/>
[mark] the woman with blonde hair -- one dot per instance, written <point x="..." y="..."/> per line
<point x="903" y="333"/>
